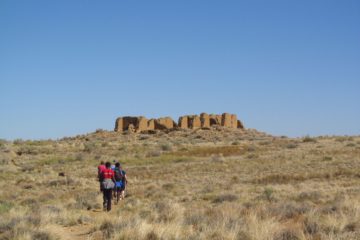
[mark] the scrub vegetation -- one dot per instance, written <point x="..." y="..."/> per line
<point x="202" y="184"/>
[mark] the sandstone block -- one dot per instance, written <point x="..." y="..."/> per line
<point x="233" y="121"/>
<point x="240" y="124"/>
<point x="215" y="120"/>
<point x="131" y="128"/>
<point x="194" y="122"/>
<point x="137" y="124"/>
<point x="164" y="123"/>
<point x="142" y="124"/>
<point x="119" y="124"/>
<point x="205" y="120"/>
<point x="183" y="122"/>
<point x="226" y="120"/>
<point x="151" y="124"/>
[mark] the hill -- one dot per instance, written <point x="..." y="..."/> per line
<point x="219" y="183"/>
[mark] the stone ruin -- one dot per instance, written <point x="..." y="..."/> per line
<point x="204" y="121"/>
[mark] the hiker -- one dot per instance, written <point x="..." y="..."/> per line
<point x="124" y="182"/>
<point x="113" y="165"/>
<point x="101" y="167"/>
<point x="120" y="178"/>
<point x="108" y="183"/>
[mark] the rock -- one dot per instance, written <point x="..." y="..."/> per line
<point x="119" y="124"/>
<point x="122" y="124"/>
<point x="233" y="121"/>
<point x="183" y="122"/>
<point x="226" y="120"/>
<point x="142" y="124"/>
<point x="215" y="120"/>
<point x="194" y="122"/>
<point x="151" y="124"/>
<point x="205" y="120"/>
<point x="131" y="128"/>
<point x="164" y="123"/>
<point x="240" y="124"/>
<point x="132" y="124"/>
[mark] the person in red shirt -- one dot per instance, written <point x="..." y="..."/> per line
<point x="101" y="167"/>
<point x="107" y="177"/>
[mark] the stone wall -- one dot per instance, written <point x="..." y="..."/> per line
<point x="204" y="120"/>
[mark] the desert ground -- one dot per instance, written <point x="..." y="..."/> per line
<point x="185" y="184"/>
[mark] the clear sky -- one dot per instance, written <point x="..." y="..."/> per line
<point x="285" y="67"/>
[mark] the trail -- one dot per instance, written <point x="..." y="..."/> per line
<point x="83" y="231"/>
<point x="78" y="232"/>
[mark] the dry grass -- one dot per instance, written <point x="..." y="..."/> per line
<point x="220" y="184"/>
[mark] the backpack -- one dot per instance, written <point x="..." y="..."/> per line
<point x="118" y="174"/>
<point x="108" y="184"/>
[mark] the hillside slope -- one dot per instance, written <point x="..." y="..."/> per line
<point x="202" y="184"/>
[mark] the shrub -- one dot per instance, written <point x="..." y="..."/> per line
<point x="251" y="149"/>
<point x="2" y="142"/>
<point x="225" y="198"/>
<point x="153" y="154"/>
<point x="218" y="158"/>
<point x="40" y="235"/>
<point x="5" y="207"/>
<point x="166" y="147"/>
<point x="287" y="210"/>
<point x="108" y="229"/>
<point x="309" y="139"/>
<point x="311" y="227"/>
<point x="144" y="137"/>
<point x="18" y="141"/>
<point x="291" y="146"/>
<point x="352" y="227"/>
<point x="350" y="145"/>
<point x="31" y="203"/>
<point x="167" y="211"/>
<point x="86" y="201"/>
<point x="34" y="219"/>
<point x="151" y="236"/>
<point x="287" y="234"/>
<point x="343" y="139"/>
<point x="312" y="196"/>
<point x="268" y="194"/>
<point x="168" y="186"/>
<point x="47" y="196"/>
<point x="327" y="158"/>
<point x="79" y="157"/>
<point x="8" y="225"/>
<point x="89" y="147"/>
<point x="26" y="150"/>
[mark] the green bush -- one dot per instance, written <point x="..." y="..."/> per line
<point x="5" y="207"/>
<point x="308" y="139"/>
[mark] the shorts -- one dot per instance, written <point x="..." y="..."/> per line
<point x="119" y="186"/>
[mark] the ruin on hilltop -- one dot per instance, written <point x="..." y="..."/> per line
<point x="204" y="120"/>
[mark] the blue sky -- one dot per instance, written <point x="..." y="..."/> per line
<point x="285" y="67"/>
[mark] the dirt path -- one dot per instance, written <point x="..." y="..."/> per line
<point x="78" y="232"/>
<point x="83" y="231"/>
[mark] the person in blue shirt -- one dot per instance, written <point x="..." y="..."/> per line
<point x="121" y="181"/>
